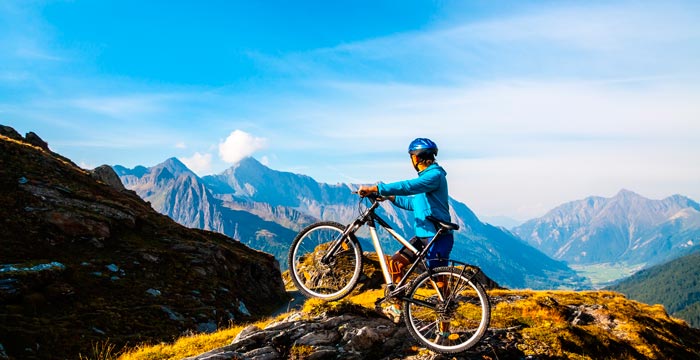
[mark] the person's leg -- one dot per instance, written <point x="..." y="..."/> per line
<point x="441" y="249"/>
<point x="438" y="254"/>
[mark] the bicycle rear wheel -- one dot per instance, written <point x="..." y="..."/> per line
<point x="447" y="310"/>
<point x="333" y="278"/>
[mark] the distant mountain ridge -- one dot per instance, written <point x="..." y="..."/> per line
<point x="176" y="191"/>
<point x="273" y="205"/>
<point x="625" y="228"/>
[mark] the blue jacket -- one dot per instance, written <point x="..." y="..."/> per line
<point x="429" y="197"/>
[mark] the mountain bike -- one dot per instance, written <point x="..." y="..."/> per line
<point x="445" y="308"/>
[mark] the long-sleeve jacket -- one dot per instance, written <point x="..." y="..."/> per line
<point x="425" y="195"/>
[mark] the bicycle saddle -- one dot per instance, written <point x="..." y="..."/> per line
<point x="443" y="224"/>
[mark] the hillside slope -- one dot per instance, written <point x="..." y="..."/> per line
<point x="675" y="284"/>
<point x="83" y="261"/>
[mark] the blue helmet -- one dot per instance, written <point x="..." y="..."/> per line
<point x="422" y="146"/>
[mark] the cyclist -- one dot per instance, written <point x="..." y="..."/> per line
<point x="426" y="196"/>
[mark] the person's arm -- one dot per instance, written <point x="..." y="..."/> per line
<point x="403" y="202"/>
<point x="425" y="183"/>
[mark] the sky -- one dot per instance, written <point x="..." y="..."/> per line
<point x="532" y="103"/>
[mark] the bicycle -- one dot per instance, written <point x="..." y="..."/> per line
<point x="444" y="308"/>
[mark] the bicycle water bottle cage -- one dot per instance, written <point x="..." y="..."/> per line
<point x="443" y="224"/>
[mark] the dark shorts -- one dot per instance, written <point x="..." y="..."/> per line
<point x="440" y="251"/>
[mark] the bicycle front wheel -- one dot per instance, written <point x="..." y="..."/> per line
<point x="447" y="310"/>
<point x="317" y="272"/>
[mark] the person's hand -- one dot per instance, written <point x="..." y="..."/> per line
<point x="366" y="190"/>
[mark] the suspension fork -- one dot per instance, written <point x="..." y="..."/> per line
<point x="339" y="242"/>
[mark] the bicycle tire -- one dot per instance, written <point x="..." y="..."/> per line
<point x="451" y="323"/>
<point x="330" y="281"/>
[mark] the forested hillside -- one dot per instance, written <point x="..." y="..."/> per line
<point x="675" y="284"/>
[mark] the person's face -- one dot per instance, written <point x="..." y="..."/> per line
<point x="414" y="160"/>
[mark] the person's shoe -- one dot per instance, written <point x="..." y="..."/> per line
<point x="444" y="328"/>
<point x="393" y="312"/>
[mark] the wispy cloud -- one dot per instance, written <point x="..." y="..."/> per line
<point x="560" y="41"/>
<point x="124" y="106"/>
<point x="28" y="53"/>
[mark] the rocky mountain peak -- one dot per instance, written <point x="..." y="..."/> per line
<point x="174" y="165"/>
<point x="251" y="163"/>
<point x="625" y="194"/>
<point x="626" y="227"/>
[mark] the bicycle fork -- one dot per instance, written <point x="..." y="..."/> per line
<point x="332" y="251"/>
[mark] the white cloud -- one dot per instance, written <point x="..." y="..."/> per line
<point x="240" y="144"/>
<point x="199" y="163"/>
<point x="181" y="145"/>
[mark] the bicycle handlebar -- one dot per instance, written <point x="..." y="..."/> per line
<point x="371" y="196"/>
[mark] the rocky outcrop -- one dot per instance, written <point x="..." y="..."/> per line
<point x="10" y="133"/>
<point x="524" y="325"/>
<point x="345" y="336"/>
<point x="35" y="140"/>
<point x="83" y="261"/>
<point x="106" y="174"/>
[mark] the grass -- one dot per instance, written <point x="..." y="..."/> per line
<point x="620" y="328"/>
<point x="189" y="345"/>
<point x="103" y="350"/>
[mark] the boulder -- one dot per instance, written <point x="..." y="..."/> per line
<point x="10" y="132"/>
<point x="106" y="174"/>
<point x="35" y="140"/>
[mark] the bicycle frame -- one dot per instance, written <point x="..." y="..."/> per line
<point x="369" y="218"/>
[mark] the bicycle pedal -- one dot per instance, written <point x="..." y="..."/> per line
<point x="377" y="305"/>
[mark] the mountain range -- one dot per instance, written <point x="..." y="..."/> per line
<point x="626" y="228"/>
<point x="265" y="208"/>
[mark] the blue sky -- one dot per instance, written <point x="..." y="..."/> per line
<point x="533" y="104"/>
